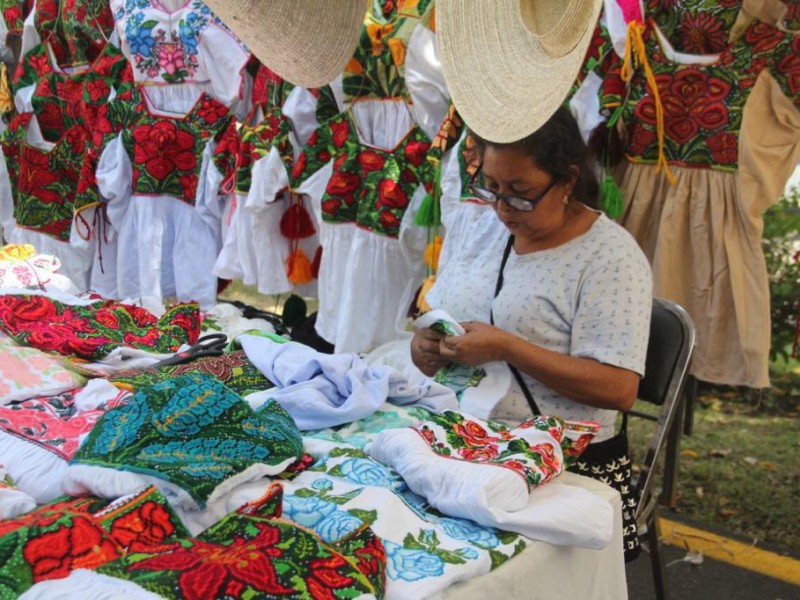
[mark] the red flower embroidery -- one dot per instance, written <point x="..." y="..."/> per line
<point x="97" y="89"/>
<point x="371" y="161"/>
<point x="790" y="65"/>
<point x="371" y="558"/>
<point x="188" y="185"/>
<point x="724" y="148"/>
<point x="33" y="308"/>
<point x="147" y="526"/>
<point x="415" y="152"/>
<point x="299" y="166"/>
<point x="323" y="156"/>
<point x="325" y="576"/>
<point x="207" y="568"/>
<point x="36" y="177"/>
<point x="342" y="183"/>
<point x="211" y="111"/>
<point x="577" y="447"/>
<point x="83" y="545"/>
<point x="701" y="33"/>
<point x="389" y="220"/>
<point x="762" y="37"/>
<point x="391" y="194"/>
<point x="551" y="462"/>
<point x="340" y="131"/>
<point x="472" y="433"/>
<point x="692" y="101"/>
<point x="331" y="206"/>
<point x="478" y="454"/>
<point x="641" y="140"/>
<point x="163" y="148"/>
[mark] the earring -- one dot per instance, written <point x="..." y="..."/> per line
<point x="565" y="199"/>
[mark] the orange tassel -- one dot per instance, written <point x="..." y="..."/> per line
<point x="432" y="252"/>
<point x="296" y="223"/>
<point x="316" y="262"/>
<point x="422" y="304"/>
<point x="298" y="268"/>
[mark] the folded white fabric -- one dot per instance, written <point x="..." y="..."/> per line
<point x="323" y="390"/>
<point x="13" y="502"/>
<point x="88" y="585"/>
<point x="484" y="472"/>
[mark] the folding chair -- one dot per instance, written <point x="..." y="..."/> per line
<point x="669" y="351"/>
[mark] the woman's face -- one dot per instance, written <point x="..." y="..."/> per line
<point x="506" y="170"/>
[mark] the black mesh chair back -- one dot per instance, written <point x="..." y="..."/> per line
<point x="669" y="352"/>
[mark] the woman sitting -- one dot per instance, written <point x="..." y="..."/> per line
<point x="548" y="285"/>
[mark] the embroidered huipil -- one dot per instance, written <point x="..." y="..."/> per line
<point x="65" y="108"/>
<point x="180" y="47"/>
<point x="372" y="251"/>
<point x="732" y="139"/>
<point x="160" y="179"/>
<point x="76" y="30"/>
<point x="254" y="250"/>
<point x="695" y="26"/>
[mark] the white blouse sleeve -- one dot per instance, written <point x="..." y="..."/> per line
<point x="225" y="60"/>
<point x="425" y="81"/>
<point x="268" y="179"/>
<point x="114" y="179"/>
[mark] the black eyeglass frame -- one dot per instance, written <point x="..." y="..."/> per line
<point x="519" y="203"/>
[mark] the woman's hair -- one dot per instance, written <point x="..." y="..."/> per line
<point x="555" y="147"/>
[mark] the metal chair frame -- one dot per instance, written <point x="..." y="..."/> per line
<point x="669" y="353"/>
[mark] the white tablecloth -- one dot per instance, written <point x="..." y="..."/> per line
<point x="543" y="571"/>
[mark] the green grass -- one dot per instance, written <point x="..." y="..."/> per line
<point x="739" y="471"/>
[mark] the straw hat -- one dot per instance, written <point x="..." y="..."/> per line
<point x="306" y="42"/>
<point x="509" y="64"/>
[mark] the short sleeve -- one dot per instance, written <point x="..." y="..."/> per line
<point x="225" y="60"/>
<point x="612" y="318"/>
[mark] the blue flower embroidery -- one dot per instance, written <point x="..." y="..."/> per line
<point x="140" y="38"/>
<point x="467" y="531"/>
<point x="306" y="511"/>
<point x="411" y="565"/>
<point x="337" y="525"/>
<point x="367" y="472"/>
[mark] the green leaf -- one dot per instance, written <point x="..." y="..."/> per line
<point x="368" y="516"/>
<point x="498" y="558"/>
<point x="304" y="493"/>
<point x="412" y="544"/>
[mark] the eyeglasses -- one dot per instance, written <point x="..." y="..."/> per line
<point x="516" y="202"/>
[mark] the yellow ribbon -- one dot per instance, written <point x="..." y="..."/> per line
<point x="634" y="43"/>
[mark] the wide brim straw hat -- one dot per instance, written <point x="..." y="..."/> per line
<point x="509" y="64"/>
<point x="306" y="42"/>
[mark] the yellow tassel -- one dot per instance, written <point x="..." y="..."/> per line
<point x="422" y="304"/>
<point x="634" y="42"/>
<point x="432" y="252"/>
<point x="298" y="268"/>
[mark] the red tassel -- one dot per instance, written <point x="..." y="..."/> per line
<point x="316" y="262"/>
<point x="296" y="223"/>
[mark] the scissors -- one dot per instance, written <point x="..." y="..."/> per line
<point x="212" y="344"/>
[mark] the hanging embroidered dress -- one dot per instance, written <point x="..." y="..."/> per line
<point x="254" y="249"/>
<point x="160" y="180"/>
<point x="731" y="139"/>
<point x="177" y="48"/>
<point x="47" y="145"/>
<point x="76" y="30"/>
<point x="371" y="261"/>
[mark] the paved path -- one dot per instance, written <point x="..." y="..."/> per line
<point x="731" y="568"/>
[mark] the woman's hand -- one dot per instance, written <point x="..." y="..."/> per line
<point x="425" y="351"/>
<point x="480" y="344"/>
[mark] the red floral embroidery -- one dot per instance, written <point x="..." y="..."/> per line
<point x="415" y="152"/>
<point x="211" y="111"/>
<point x="724" y="148"/>
<point x="763" y="37"/>
<point x="143" y="529"/>
<point x="371" y="161"/>
<point x="478" y="454"/>
<point x="701" y="33"/>
<point x="692" y="101"/>
<point x="391" y="195"/>
<point x="163" y="149"/>
<point x="340" y="131"/>
<point x="389" y="220"/>
<point x="299" y="166"/>
<point x="342" y="183"/>
<point x="36" y="176"/>
<point x="207" y="568"/>
<point x="81" y="545"/>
